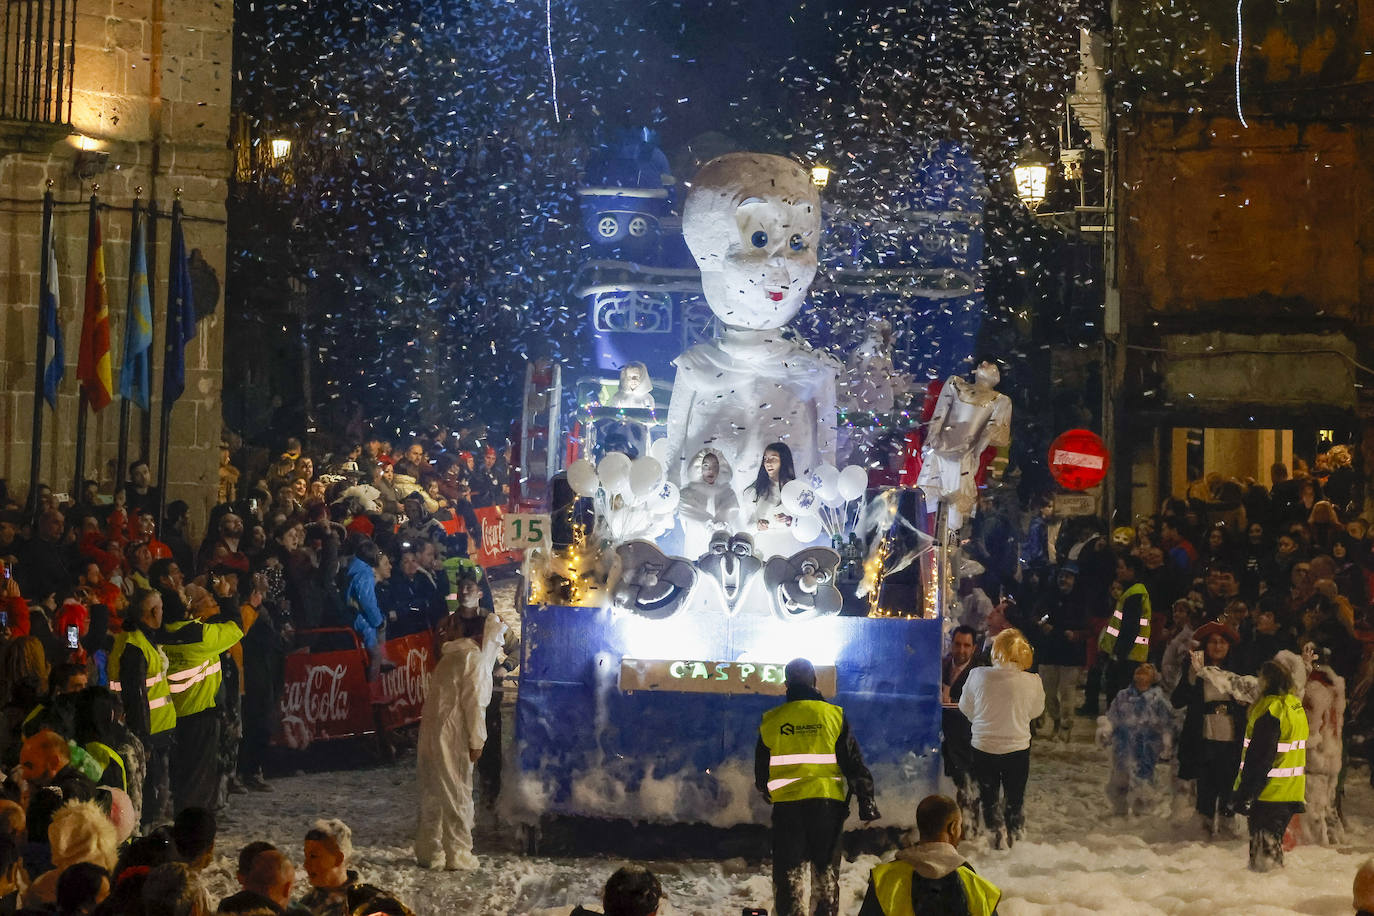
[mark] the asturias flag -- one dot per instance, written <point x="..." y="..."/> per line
<point x="181" y="316"/>
<point x="93" y="368"/>
<point x="54" y="359"/>
<point x="138" y="325"/>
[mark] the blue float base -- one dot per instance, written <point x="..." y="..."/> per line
<point x="584" y="748"/>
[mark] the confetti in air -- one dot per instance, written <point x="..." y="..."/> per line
<point x="548" y="47"/>
<point x="1240" y="45"/>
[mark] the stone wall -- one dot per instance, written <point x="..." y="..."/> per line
<point x="152" y="86"/>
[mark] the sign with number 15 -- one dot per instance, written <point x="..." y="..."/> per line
<point x="521" y="531"/>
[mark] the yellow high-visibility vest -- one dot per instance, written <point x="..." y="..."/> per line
<point x="1287" y="779"/>
<point x="161" y="714"/>
<point x="1141" y="649"/>
<point x="801" y="737"/>
<point x="892" y="885"/>
<point x="195" y="674"/>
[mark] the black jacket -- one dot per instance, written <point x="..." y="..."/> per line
<point x="847" y="753"/>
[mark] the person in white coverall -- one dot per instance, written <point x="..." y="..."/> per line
<point x="452" y="732"/>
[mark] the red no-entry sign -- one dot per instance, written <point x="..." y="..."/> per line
<point x="1078" y="459"/>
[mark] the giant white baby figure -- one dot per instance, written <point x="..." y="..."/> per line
<point x="752" y="221"/>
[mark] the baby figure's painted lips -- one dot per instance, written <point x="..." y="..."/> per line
<point x="775" y="294"/>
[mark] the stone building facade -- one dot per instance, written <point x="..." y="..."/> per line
<point x="149" y="87"/>
<point x="1245" y="231"/>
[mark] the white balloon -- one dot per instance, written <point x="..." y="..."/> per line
<point x="853" y="482"/>
<point x="658" y="450"/>
<point x="645" y="473"/>
<point x="834" y="500"/>
<point x="664" y="500"/>
<point x="798" y="498"/>
<point x="806" y="528"/>
<point x="582" y="477"/>
<point x="825" y="480"/>
<point x="614" y="471"/>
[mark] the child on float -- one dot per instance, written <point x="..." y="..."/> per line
<point x="761" y="513"/>
<point x="1138" y="727"/>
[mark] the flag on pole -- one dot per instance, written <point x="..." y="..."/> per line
<point x="181" y="315"/>
<point x="54" y="357"/>
<point x="138" y="324"/>
<point x="93" y="368"/>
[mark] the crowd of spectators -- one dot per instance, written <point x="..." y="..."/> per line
<point x="142" y="667"/>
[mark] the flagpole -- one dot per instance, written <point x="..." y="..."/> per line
<point x="125" y="409"/>
<point x="40" y="351"/>
<point x="83" y="402"/>
<point x="145" y="417"/>
<point x="164" y="432"/>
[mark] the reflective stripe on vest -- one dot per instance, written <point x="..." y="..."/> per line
<point x="1287" y="779"/>
<point x="1140" y="648"/>
<point x="800" y="737"/>
<point x="195" y="675"/>
<point x="892" y="885"/>
<point x="161" y="714"/>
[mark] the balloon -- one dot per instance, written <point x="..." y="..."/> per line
<point x="806" y="528"/>
<point x="645" y="473"/>
<point x="825" y="480"/>
<point x="614" y="471"/>
<point x="664" y="499"/>
<point x="658" y="449"/>
<point x="834" y="500"/>
<point x="582" y="477"/>
<point x="798" y="498"/>
<point x="853" y="482"/>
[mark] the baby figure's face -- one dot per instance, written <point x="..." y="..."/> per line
<point x="768" y="266"/>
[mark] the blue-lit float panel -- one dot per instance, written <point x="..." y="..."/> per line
<point x="587" y="747"/>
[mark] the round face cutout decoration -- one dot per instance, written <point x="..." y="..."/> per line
<point x="752" y="221"/>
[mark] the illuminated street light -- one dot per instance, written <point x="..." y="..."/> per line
<point x="281" y="148"/>
<point x="820" y="175"/>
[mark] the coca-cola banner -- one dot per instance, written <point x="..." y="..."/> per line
<point x="327" y="694"/>
<point x="495" y="551"/>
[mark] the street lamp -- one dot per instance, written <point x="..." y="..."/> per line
<point x="820" y="175"/>
<point x="281" y="148"/>
<point x="1032" y="175"/>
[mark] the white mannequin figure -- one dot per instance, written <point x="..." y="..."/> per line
<point x="636" y="389"/>
<point x="871" y="382"/>
<point x="968" y="417"/>
<point x="752" y="221"/>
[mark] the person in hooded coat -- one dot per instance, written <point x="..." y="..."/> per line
<point x="79" y="832"/>
<point x="708" y="502"/>
<point x="453" y="731"/>
<point x="932" y="876"/>
<point x="1323" y="700"/>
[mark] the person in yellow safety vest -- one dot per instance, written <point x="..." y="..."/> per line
<point x="931" y="877"/>
<point x="1271" y="784"/>
<point x="193" y="647"/>
<point x="1125" y="641"/>
<point x="807" y="764"/>
<point x="138" y="673"/>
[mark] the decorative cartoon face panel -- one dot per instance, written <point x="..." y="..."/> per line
<point x="802" y="586"/>
<point x="752" y="222"/>
<point x="733" y="566"/>
<point x="651" y="584"/>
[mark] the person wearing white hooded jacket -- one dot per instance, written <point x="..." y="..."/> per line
<point x="453" y="731"/>
<point x="1000" y="703"/>
<point x="708" y="502"/>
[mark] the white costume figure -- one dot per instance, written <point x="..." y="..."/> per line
<point x="1324" y="702"/>
<point x="636" y="388"/>
<point x="708" y="503"/>
<point x="453" y="730"/>
<point x="968" y="417"/>
<point x="870" y="381"/>
<point x="752" y="222"/>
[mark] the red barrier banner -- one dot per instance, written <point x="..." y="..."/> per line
<point x="327" y="694"/>
<point x="495" y="551"/>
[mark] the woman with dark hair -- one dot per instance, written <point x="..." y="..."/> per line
<point x="1210" y="744"/>
<point x="762" y="511"/>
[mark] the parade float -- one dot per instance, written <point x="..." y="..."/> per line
<point x="681" y="557"/>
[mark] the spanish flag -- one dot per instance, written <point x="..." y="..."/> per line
<point x="93" y="366"/>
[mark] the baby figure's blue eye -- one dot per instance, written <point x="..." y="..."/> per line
<point x="759" y="239"/>
<point x="796" y="242"/>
